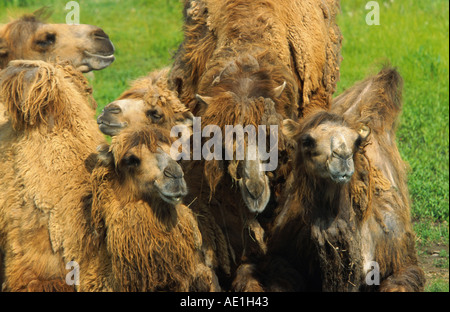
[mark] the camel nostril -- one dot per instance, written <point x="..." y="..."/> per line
<point x="255" y="189"/>
<point x="173" y="173"/>
<point x="99" y="34"/>
<point x="112" y="109"/>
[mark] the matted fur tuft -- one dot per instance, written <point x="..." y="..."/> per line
<point x="33" y="94"/>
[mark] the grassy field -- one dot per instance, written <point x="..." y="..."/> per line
<point x="412" y="36"/>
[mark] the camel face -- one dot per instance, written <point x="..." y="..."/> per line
<point x="328" y="151"/>
<point x="252" y="180"/>
<point x="86" y="47"/>
<point x="142" y="160"/>
<point x="155" y="174"/>
<point x="254" y="185"/>
<point x="148" y="102"/>
<point x="117" y="115"/>
<point x="244" y="95"/>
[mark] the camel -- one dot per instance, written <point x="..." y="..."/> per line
<point x="30" y="38"/>
<point x="251" y="63"/>
<point x="342" y="226"/>
<point x="44" y="209"/>
<point x="152" y="240"/>
<point x="217" y="33"/>
<point x="377" y="102"/>
<point x="147" y="101"/>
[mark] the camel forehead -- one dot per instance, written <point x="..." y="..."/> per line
<point x="130" y="105"/>
<point x="334" y="135"/>
<point x="74" y="30"/>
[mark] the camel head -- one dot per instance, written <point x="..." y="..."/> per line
<point x="243" y="95"/>
<point x="142" y="162"/>
<point x="326" y="145"/>
<point x="148" y="101"/>
<point x="117" y="115"/>
<point x="86" y="47"/>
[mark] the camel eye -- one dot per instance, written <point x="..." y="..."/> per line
<point x="154" y="115"/>
<point x="308" y="141"/>
<point x="47" y="41"/>
<point x="132" y="161"/>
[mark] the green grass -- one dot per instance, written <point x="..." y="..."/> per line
<point x="438" y="285"/>
<point x="412" y="36"/>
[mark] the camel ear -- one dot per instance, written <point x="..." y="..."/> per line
<point x="184" y="118"/>
<point x="104" y="154"/>
<point x="290" y="128"/>
<point x="203" y="100"/>
<point x="364" y="131"/>
<point x="278" y="91"/>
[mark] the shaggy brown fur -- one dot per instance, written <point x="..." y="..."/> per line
<point x="30" y="38"/>
<point x="45" y="207"/>
<point x="235" y="54"/>
<point x="243" y="97"/>
<point x="152" y="245"/>
<point x="301" y="35"/>
<point x="329" y="232"/>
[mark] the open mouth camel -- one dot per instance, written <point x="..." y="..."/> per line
<point x="86" y="47"/>
<point x="30" y="38"/>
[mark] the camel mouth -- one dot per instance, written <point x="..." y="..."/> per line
<point x="106" y="57"/>
<point x="340" y="179"/>
<point x="101" y="121"/>
<point x="255" y="202"/>
<point x="337" y="176"/>
<point x="93" y="61"/>
<point x="110" y="128"/>
<point x="173" y="199"/>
